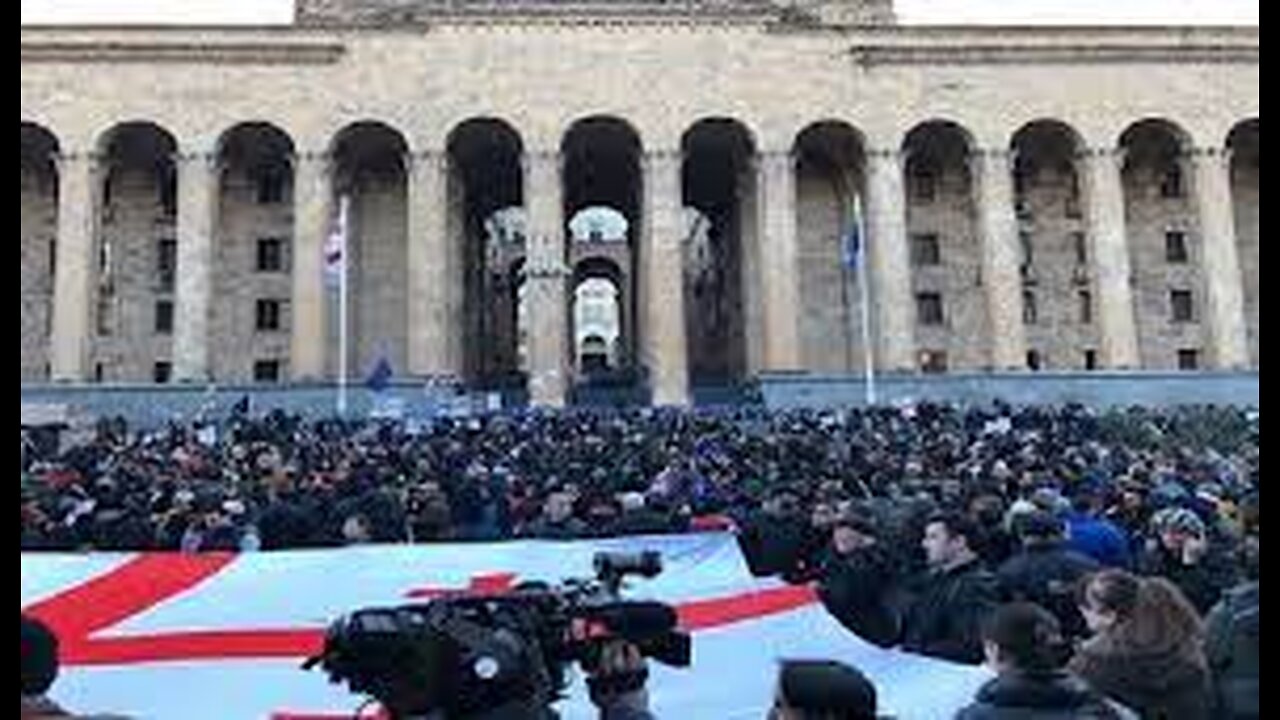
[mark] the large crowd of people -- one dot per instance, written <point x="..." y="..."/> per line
<point x="1095" y="559"/>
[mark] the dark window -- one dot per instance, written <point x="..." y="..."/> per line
<point x="1081" y="244"/>
<point x="106" y="303"/>
<point x="924" y="185"/>
<point x="1033" y="360"/>
<point x="1175" y="246"/>
<point x="266" y="371"/>
<point x="267" y="315"/>
<point x="166" y="263"/>
<point x="271" y="186"/>
<point x="1086" y="307"/>
<point x="1188" y="359"/>
<point x="929" y="308"/>
<point x="1030" y="310"/>
<point x="270" y="255"/>
<point x="933" y="361"/>
<point x="1028" y="252"/>
<point x="1090" y="359"/>
<point x="925" y="250"/>
<point x="53" y="257"/>
<point x="99" y="372"/>
<point x="167" y="179"/>
<point x="164" y="317"/>
<point x="161" y="372"/>
<point x="1181" y="306"/>
<point x="1171" y="182"/>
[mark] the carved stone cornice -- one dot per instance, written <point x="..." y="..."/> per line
<point x="871" y="54"/>
<point x="280" y="52"/>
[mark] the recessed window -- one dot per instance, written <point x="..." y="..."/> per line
<point x="929" y="308"/>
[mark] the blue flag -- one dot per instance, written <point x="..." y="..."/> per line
<point x="851" y="252"/>
<point x="380" y="378"/>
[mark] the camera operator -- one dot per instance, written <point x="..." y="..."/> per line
<point x="617" y="683"/>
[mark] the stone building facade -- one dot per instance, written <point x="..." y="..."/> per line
<point x="1031" y="198"/>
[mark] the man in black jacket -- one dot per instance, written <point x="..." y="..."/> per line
<point x="856" y="578"/>
<point x="1023" y="645"/>
<point x="1046" y="571"/>
<point x="956" y="594"/>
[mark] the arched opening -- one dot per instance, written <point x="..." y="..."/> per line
<point x="39" y="239"/>
<point x="829" y="175"/>
<point x="1164" y="246"/>
<point x="252" y="271"/>
<point x="602" y="211"/>
<point x="487" y="227"/>
<point x="719" y="258"/>
<point x="1243" y="144"/>
<point x="597" y="325"/>
<point x="946" y="254"/>
<point x="1057" y="282"/>
<point x="371" y="182"/>
<point x="136" y="268"/>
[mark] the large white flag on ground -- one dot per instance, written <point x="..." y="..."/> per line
<point x="221" y="637"/>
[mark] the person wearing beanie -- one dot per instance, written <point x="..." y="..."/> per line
<point x="1180" y="550"/>
<point x="1046" y="571"/>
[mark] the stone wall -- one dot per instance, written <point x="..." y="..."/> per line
<point x="238" y="284"/>
<point x="39" y="214"/>
<point x="1244" y="190"/>
<point x="964" y="333"/>
<point x="1148" y="217"/>
<point x="1055" y="277"/>
<point x="127" y="345"/>
<point x="1094" y="389"/>
<point x="379" y="286"/>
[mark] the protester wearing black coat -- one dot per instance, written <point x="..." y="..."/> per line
<point x="1231" y="647"/>
<point x="944" y="620"/>
<point x="1046" y="573"/>
<point x="1052" y="695"/>
<point x="855" y="588"/>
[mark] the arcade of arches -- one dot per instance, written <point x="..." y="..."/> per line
<point x="493" y="262"/>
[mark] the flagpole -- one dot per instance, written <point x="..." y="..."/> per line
<point x="868" y="350"/>
<point x="344" y="211"/>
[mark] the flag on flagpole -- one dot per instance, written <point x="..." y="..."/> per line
<point x="851" y="251"/>
<point x="380" y="378"/>
<point x="335" y="246"/>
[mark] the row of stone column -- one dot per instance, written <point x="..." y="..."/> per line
<point x="1105" y="218"/>
<point x="434" y="289"/>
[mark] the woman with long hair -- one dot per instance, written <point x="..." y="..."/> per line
<point x="1147" y="646"/>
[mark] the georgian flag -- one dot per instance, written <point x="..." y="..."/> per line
<point x="335" y="246"/>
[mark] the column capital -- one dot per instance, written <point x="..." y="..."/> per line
<point x="778" y="155"/>
<point x="91" y="159"/>
<point x="1220" y="154"/>
<point x="534" y="270"/>
<point x="1115" y="153"/>
<point x="324" y="160"/>
<point x="662" y="155"/>
<point x="983" y="157"/>
<point x="887" y="155"/>
<point x="539" y="155"/>
<point x="416" y="159"/>
<point x="193" y="157"/>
